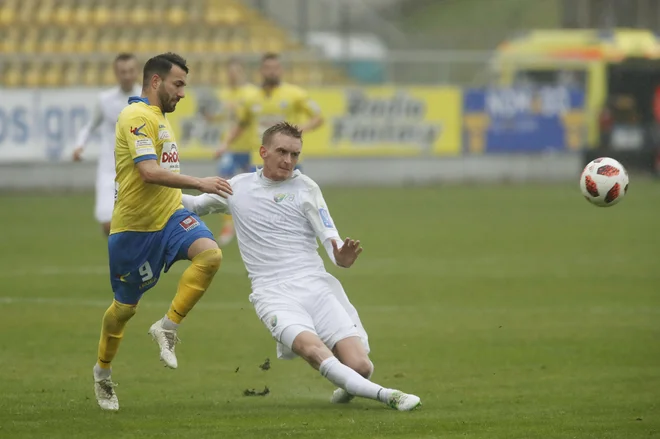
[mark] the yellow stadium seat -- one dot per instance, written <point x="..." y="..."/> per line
<point x="13" y="75"/>
<point x="236" y="44"/>
<point x="30" y="42"/>
<point x="87" y="41"/>
<point x="201" y="42"/>
<point x="102" y="15"/>
<point x="49" y="41"/>
<point x="107" y="75"/>
<point x="125" y="41"/>
<point x="9" y="41"/>
<point x="69" y="41"/>
<point x="8" y="15"/>
<point x="63" y="15"/>
<point x="107" y="42"/>
<point x="51" y="75"/>
<point x="32" y="75"/>
<point x="70" y="75"/>
<point x="89" y="75"/>
<point x="44" y="13"/>
<point x="176" y="15"/>
<point x="145" y="42"/>
<point x="139" y="16"/>
<point x="82" y="15"/>
<point x="26" y="11"/>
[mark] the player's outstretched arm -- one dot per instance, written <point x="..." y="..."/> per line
<point x="205" y="204"/>
<point x="151" y="173"/>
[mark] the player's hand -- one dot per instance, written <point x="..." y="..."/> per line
<point x="348" y="254"/>
<point x="215" y="185"/>
<point x="77" y="154"/>
<point x="220" y="151"/>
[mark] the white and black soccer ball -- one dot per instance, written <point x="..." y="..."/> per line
<point x="604" y="182"/>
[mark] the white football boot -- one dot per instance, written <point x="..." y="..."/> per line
<point x="167" y="340"/>
<point x="403" y="401"/>
<point x="341" y="396"/>
<point x="104" y="389"/>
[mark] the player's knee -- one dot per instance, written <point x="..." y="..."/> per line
<point x="311" y="348"/>
<point x="209" y="260"/>
<point x="362" y="365"/>
<point x="122" y="311"/>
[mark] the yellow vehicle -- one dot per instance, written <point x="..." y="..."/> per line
<point x="606" y="64"/>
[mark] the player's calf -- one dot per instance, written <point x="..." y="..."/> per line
<point x="206" y="258"/>
<point x="112" y="331"/>
<point x="310" y="347"/>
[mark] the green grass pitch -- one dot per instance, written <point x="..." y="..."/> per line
<point x="514" y="312"/>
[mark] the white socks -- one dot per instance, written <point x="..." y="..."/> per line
<point x="343" y="376"/>
<point x="168" y="324"/>
<point x="101" y="373"/>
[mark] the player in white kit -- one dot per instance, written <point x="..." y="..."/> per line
<point x="106" y="110"/>
<point x="279" y="213"/>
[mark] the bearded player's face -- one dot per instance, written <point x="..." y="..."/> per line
<point x="172" y="89"/>
<point x="271" y="71"/>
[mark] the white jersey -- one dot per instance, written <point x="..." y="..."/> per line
<point x="277" y="224"/>
<point x="104" y="116"/>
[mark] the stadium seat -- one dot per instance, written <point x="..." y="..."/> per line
<point x="107" y="74"/>
<point x="8" y="14"/>
<point x="30" y="41"/>
<point x="9" y="41"/>
<point x="32" y="74"/>
<point x="13" y="75"/>
<point x="92" y="29"/>
<point x="63" y="14"/>
<point x="69" y="41"/>
<point x="87" y="41"/>
<point x="44" y="13"/>
<point x="82" y="15"/>
<point x="89" y="74"/>
<point x="102" y="16"/>
<point x="71" y="74"/>
<point x="51" y="75"/>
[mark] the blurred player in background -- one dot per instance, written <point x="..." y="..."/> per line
<point x="235" y="159"/>
<point x="106" y="110"/>
<point x="279" y="215"/>
<point x="151" y="230"/>
<point x="275" y="101"/>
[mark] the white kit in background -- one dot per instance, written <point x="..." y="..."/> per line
<point x="107" y="107"/>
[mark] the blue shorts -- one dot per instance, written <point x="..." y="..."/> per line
<point x="234" y="163"/>
<point x="137" y="258"/>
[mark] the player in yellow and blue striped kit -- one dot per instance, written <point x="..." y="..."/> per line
<point x="150" y="228"/>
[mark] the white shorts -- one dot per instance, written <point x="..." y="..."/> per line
<point x="315" y="303"/>
<point x="105" y="197"/>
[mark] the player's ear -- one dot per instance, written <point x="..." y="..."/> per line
<point x="262" y="151"/>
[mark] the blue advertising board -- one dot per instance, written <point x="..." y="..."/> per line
<point x="511" y="120"/>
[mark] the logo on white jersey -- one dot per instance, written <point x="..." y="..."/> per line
<point x="169" y="158"/>
<point x="281" y="197"/>
<point x="325" y="217"/>
<point x="189" y="223"/>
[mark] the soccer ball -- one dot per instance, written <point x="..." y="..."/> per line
<point x="604" y="182"/>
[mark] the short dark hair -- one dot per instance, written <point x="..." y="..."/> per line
<point x="161" y="65"/>
<point x="284" y="128"/>
<point x="124" y="56"/>
<point x="268" y="56"/>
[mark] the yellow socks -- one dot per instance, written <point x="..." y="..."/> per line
<point x="112" y="331"/>
<point x="194" y="282"/>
